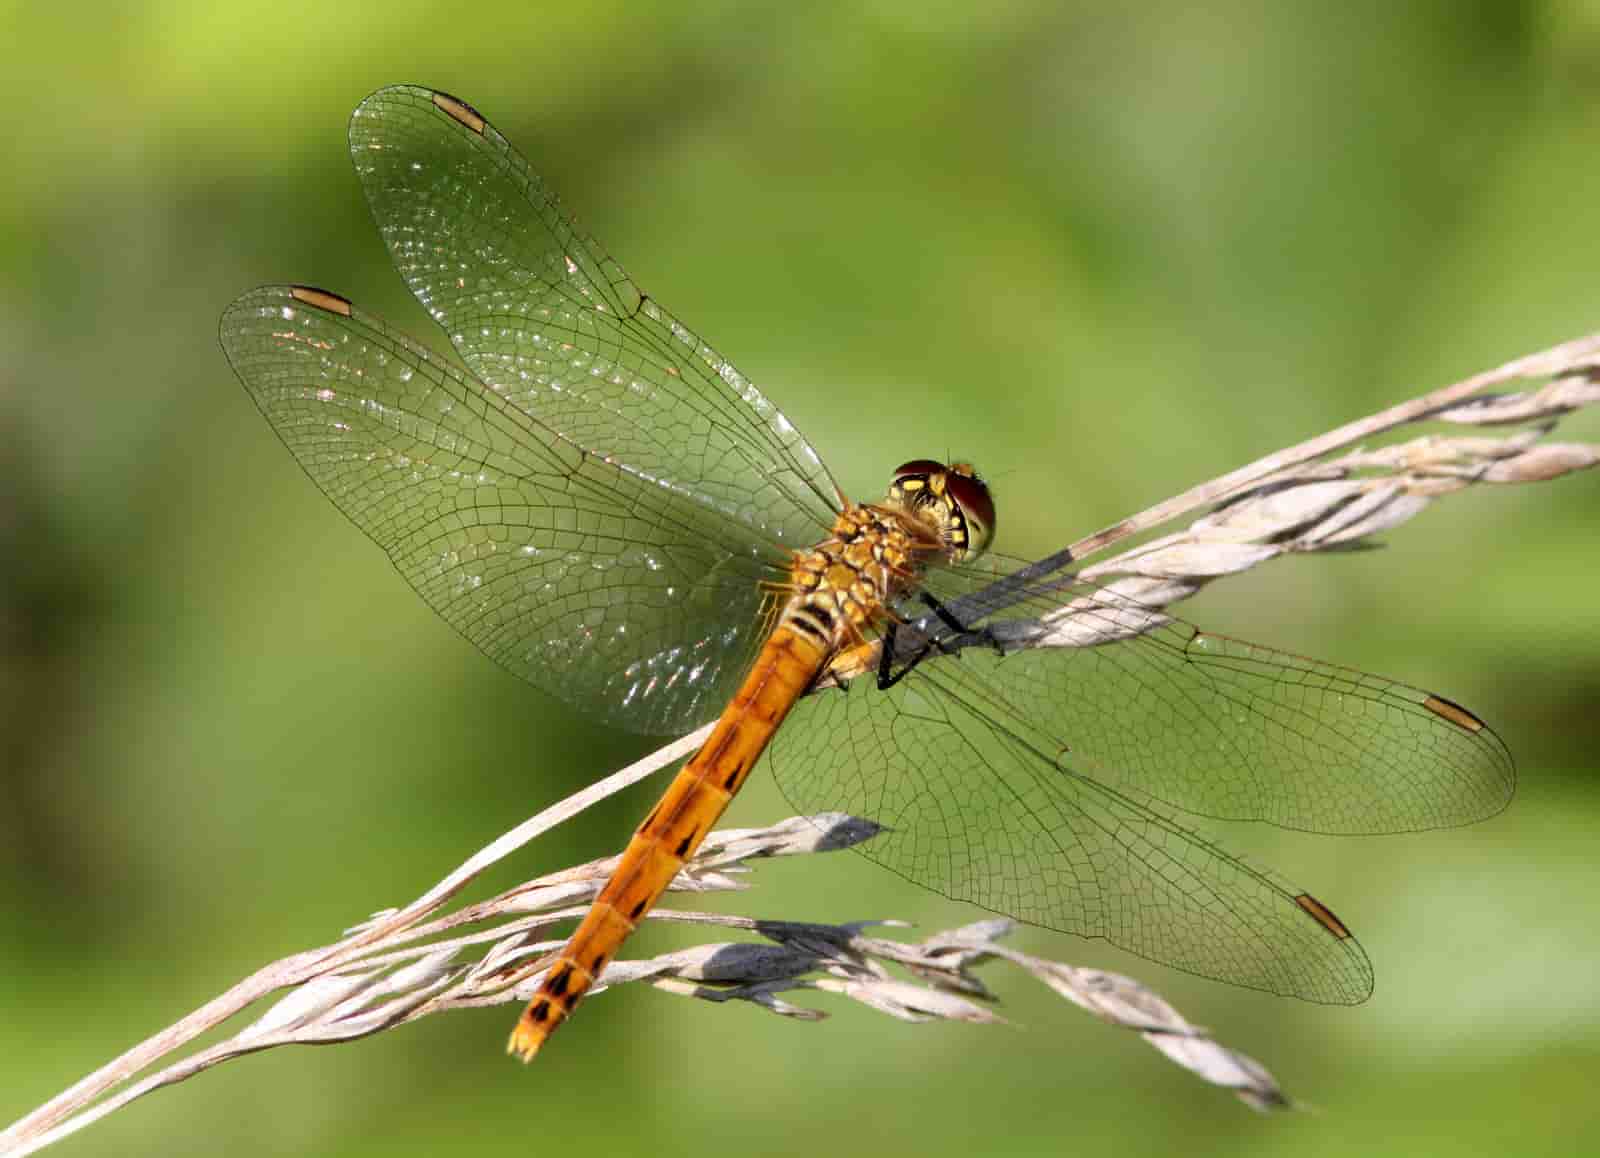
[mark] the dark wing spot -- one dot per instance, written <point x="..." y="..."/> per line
<point x="1323" y="915"/>
<point x="1454" y="712"/>
<point x="320" y="299"/>
<point x="460" y="110"/>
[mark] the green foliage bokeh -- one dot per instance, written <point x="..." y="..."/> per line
<point x="1103" y="254"/>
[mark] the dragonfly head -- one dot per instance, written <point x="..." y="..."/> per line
<point x="952" y="499"/>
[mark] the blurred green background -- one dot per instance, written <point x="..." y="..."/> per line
<point x="1103" y="254"/>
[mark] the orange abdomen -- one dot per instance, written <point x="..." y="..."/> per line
<point x="787" y="665"/>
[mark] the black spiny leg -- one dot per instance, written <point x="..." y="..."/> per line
<point x="887" y="679"/>
<point x="943" y="613"/>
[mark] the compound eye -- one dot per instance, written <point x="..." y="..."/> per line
<point x="971" y="494"/>
<point x="918" y="467"/>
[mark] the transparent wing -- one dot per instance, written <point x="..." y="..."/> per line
<point x="627" y="598"/>
<point x="1222" y="728"/>
<point x="978" y="807"/>
<point x="541" y="314"/>
<point x="1042" y="784"/>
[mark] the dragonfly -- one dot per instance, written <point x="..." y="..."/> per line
<point x="605" y="506"/>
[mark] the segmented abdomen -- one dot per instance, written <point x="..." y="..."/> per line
<point x="788" y="663"/>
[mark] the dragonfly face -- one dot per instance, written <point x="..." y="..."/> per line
<point x="952" y="499"/>
<point x="605" y="506"/>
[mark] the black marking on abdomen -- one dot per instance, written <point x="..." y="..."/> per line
<point x="733" y="776"/>
<point x="804" y="624"/>
<point x="683" y="845"/>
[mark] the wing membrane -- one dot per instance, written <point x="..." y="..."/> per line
<point x="978" y="808"/>
<point x="609" y="590"/>
<point x="1233" y="730"/>
<point x="538" y="311"/>
<point x="1043" y="783"/>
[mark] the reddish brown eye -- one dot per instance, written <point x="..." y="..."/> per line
<point x="971" y="494"/>
<point x="918" y="466"/>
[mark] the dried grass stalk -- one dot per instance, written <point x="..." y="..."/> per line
<point x="407" y="963"/>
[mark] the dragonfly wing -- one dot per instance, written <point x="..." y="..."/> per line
<point x="977" y="806"/>
<point x="539" y="312"/>
<point x="1152" y="705"/>
<point x="599" y="586"/>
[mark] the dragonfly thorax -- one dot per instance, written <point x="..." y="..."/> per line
<point x="846" y="583"/>
<point x="933" y="513"/>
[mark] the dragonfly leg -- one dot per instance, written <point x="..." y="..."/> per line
<point x="887" y="678"/>
<point x="943" y="612"/>
<point x="968" y="634"/>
